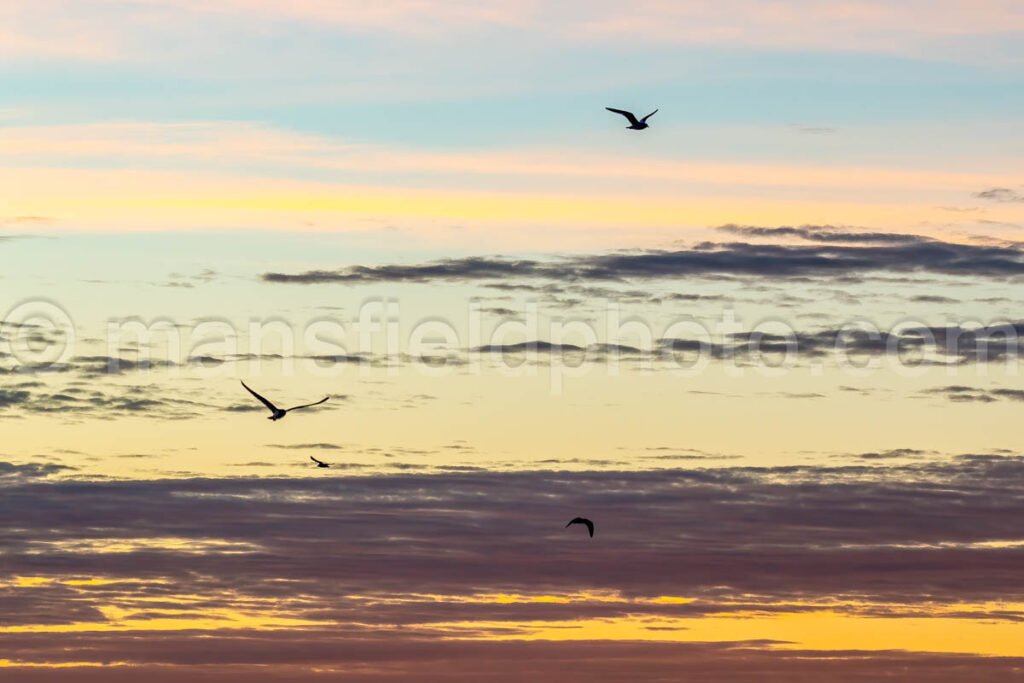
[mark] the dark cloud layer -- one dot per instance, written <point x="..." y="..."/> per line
<point x="833" y="253"/>
<point x="964" y="394"/>
<point x="824" y="234"/>
<point x="684" y="530"/>
<point x="326" y="656"/>
<point x="392" y="562"/>
<point x="318" y="656"/>
<point x="910" y="345"/>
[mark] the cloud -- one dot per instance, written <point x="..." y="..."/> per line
<point x="912" y="345"/>
<point x="123" y="31"/>
<point x="94" y="366"/>
<point x="243" y="408"/>
<point x="893" y="454"/>
<point x="933" y="299"/>
<point x="76" y="400"/>
<point x="401" y="16"/>
<point x="859" y="344"/>
<point x="183" y="281"/>
<point x="10" y="471"/>
<point x="138" y="360"/>
<point x="543" y="347"/>
<point x="965" y="394"/>
<point x="824" y="233"/>
<point x="419" y="563"/>
<point x="817" y="130"/>
<point x="474" y="268"/>
<point x="862" y="25"/>
<point x="10" y="398"/>
<point x="832" y="259"/>
<point x="476" y="515"/>
<point x="1001" y="194"/>
<point x="23" y="220"/>
<point x="345" y="657"/>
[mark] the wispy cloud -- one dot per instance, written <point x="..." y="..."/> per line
<point x="824" y="234"/>
<point x="74" y="401"/>
<point x="965" y="394"/>
<point x="861" y="25"/>
<point x="1001" y="194"/>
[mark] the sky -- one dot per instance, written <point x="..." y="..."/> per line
<point x="768" y="345"/>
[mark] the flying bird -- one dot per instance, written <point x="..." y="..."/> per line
<point x="634" y="123"/>
<point x="278" y="413"/>
<point x="582" y="520"/>
<point x="319" y="463"/>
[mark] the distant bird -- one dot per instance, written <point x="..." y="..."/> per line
<point x="582" y="520"/>
<point x="634" y="124"/>
<point x="319" y="463"/>
<point x="278" y="413"/>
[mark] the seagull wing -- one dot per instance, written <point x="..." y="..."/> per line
<point x="309" y="405"/>
<point x="583" y="520"/>
<point x="628" y="114"/>
<point x="318" y="462"/>
<point x="262" y="400"/>
<point x="644" y="119"/>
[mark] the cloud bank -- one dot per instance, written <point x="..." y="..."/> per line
<point x="833" y="254"/>
<point x="341" y="569"/>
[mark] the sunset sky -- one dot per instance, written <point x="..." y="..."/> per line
<point x="769" y="345"/>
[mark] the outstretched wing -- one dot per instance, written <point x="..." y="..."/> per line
<point x="315" y="460"/>
<point x="644" y="119"/>
<point x="628" y="114"/>
<point x="309" y="405"/>
<point x="262" y="400"/>
<point x="583" y="520"/>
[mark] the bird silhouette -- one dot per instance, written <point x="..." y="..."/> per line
<point x="319" y="463"/>
<point x="634" y="123"/>
<point x="278" y="413"/>
<point x="582" y="520"/>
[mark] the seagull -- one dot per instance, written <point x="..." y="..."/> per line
<point x="278" y="413"/>
<point x="319" y="463"/>
<point x="582" y="520"/>
<point x="634" y="124"/>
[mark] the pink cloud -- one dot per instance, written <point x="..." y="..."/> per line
<point x="870" y="25"/>
<point x="109" y="30"/>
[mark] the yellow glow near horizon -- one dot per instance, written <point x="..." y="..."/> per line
<point x="30" y="581"/>
<point x="106" y="546"/>
<point x="824" y="624"/>
<point x="819" y="630"/>
<point x="113" y="201"/>
<point x="11" y="664"/>
<point x="121" y="620"/>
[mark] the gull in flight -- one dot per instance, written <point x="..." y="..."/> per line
<point x="319" y="463"/>
<point x="278" y="413"/>
<point x="634" y="123"/>
<point x="582" y="520"/>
